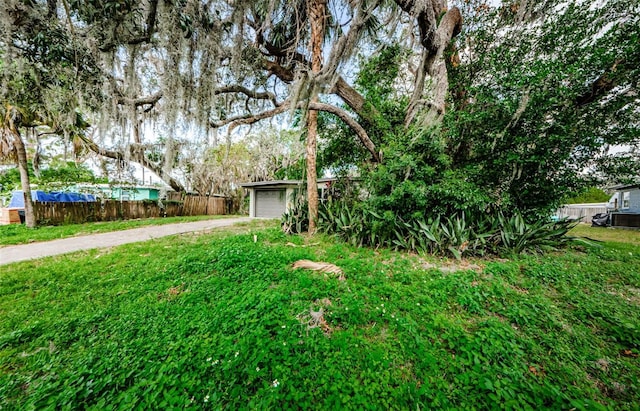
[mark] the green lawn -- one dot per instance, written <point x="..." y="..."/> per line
<point x="19" y="234"/>
<point x="223" y="321"/>
<point x="630" y="236"/>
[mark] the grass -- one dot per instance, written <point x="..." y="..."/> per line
<point x="223" y="321"/>
<point x="630" y="236"/>
<point x="19" y="234"/>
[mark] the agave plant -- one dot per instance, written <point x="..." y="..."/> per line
<point x="457" y="235"/>
<point x="296" y="219"/>
<point x="517" y="236"/>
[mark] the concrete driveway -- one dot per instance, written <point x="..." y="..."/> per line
<point x="15" y="253"/>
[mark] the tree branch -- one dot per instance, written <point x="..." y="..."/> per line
<point x="425" y="13"/>
<point x="283" y="73"/>
<point x="348" y="120"/>
<point x="249" y="119"/>
<point x="260" y="95"/>
<point x="145" y="37"/>
<point x="141" y="101"/>
<point x="343" y="46"/>
<point x="603" y="84"/>
<point x="138" y="157"/>
<point x="432" y="60"/>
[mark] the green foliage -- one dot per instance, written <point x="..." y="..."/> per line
<point x="10" y="179"/>
<point x="537" y="104"/>
<point x="590" y="195"/>
<point x="296" y="219"/>
<point x="464" y="234"/>
<point x="525" y="116"/>
<point x="65" y="175"/>
<point x="293" y="171"/>
<point x="376" y="82"/>
<point x="222" y="322"/>
<point x="417" y="176"/>
<point x="49" y="73"/>
<point x="58" y="176"/>
<point x="340" y="150"/>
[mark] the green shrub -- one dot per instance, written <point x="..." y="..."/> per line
<point x="296" y="219"/>
<point x="466" y="233"/>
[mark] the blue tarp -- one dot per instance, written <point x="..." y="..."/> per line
<point x="17" y="198"/>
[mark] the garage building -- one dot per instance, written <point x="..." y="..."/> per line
<point x="271" y="199"/>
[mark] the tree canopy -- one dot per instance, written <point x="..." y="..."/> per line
<point x="449" y="106"/>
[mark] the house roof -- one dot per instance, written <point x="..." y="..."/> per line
<point x="272" y="183"/>
<point x="284" y="183"/>
<point x="626" y="186"/>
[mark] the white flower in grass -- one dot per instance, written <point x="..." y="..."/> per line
<point x="275" y="383"/>
<point x="257" y="369"/>
<point x="209" y="359"/>
<point x="284" y="326"/>
<point x="215" y="362"/>
<point x="206" y="399"/>
<point x="237" y="353"/>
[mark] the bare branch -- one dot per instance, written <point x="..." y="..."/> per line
<point x="357" y="128"/>
<point x="145" y="37"/>
<point x="435" y="42"/>
<point x="136" y="155"/>
<point x="249" y="119"/>
<point x="425" y="13"/>
<point x="141" y="101"/>
<point x="600" y="86"/>
<point x="261" y="95"/>
<point x="279" y="71"/>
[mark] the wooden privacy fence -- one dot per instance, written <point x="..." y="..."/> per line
<point x="196" y="205"/>
<point x="56" y="213"/>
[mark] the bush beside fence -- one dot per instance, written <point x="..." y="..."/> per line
<point x="56" y="213"/>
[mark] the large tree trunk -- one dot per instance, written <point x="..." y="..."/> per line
<point x="21" y="154"/>
<point x="435" y="37"/>
<point x="316" y="10"/>
<point x="13" y="120"/>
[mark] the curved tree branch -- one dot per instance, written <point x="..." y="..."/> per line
<point x="249" y="119"/>
<point x="603" y="84"/>
<point x="432" y="59"/>
<point x="144" y="37"/>
<point x="236" y="88"/>
<point x="348" y="120"/>
<point x="141" y="101"/>
<point x="137" y="156"/>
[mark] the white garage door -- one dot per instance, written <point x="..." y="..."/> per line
<point x="270" y="203"/>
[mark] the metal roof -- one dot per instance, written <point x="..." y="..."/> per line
<point x="272" y="183"/>
<point x="288" y="182"/>
<point x="626" y="186"/>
